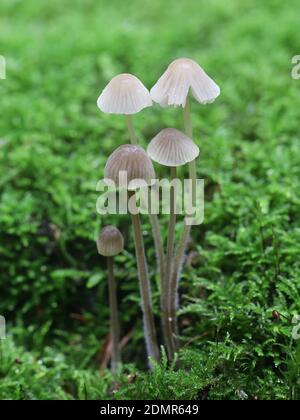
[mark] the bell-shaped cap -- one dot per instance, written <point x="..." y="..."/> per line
<point x="110" y="241"/>
<point x="171" y="147"/>
<point x="124" y="94"/>
<point x="129" y="167"/>
<point x="184" y="75"/>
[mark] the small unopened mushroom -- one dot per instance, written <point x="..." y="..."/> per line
<point x="134" y="160"/>
<point x="125" y="94"/>
<point x="110" y="243"/>
<point x="172" y="148"/>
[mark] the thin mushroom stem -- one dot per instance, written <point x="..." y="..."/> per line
<point x="157" y="237"/>
<point x="187" y="118"/>
<point x="158" y="242"/>
<point x="160" y="255"/>
<point x="158" y="246"/>
<point x="149" y="325"/>
<point x="189" y="132"/>
<point x="114" y="318"/>
<point x="169" y="261"/>
<point x="131" y="130"/>
<point x="181" y="247"/>
<point x="161" y="259"/>
<point x="178" y="261"/>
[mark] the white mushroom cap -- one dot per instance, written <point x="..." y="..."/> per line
<point x="110" y="242"/>
<point x="182" y="75"/>
<point x="124" y="94"/>
<point x="133" y="162"/>
<point x="170" y="147"/>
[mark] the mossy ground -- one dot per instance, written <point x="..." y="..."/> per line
<point x="243" y="262"/>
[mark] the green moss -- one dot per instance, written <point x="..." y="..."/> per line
<point x="53" y="146"/>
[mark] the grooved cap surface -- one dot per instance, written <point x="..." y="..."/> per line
<point x="184" y="75"/>
<point x="110" y="241"/>
<point x="124" y="94"/>
<point x="171" y="147"/>
<point x="135" y="165"/>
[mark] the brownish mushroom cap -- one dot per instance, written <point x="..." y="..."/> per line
<point x="110" y="242"/>
<point x="129" y="162"/>
<point x="171" y="147"/>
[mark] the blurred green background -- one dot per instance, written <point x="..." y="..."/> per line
<point x="243" y="262"/>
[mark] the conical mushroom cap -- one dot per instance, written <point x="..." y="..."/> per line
<point x="172" y="148"/>
<point x="124" y="94"/>
<point x="130" y="161"/>
<point x="181" y="76"/>
<point x="110" y="242"/>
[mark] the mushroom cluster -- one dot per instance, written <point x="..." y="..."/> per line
<point x="125" y="94"/>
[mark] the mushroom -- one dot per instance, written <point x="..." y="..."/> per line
<point x="133" y="160"/>
<point x="172" y="88"/>
<point x="110" y="243"/>
<point x="129" y="163"/>
<point x="181" y="77"/>
<point x="172" y="148"/>
<point x="125" y="94"/>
